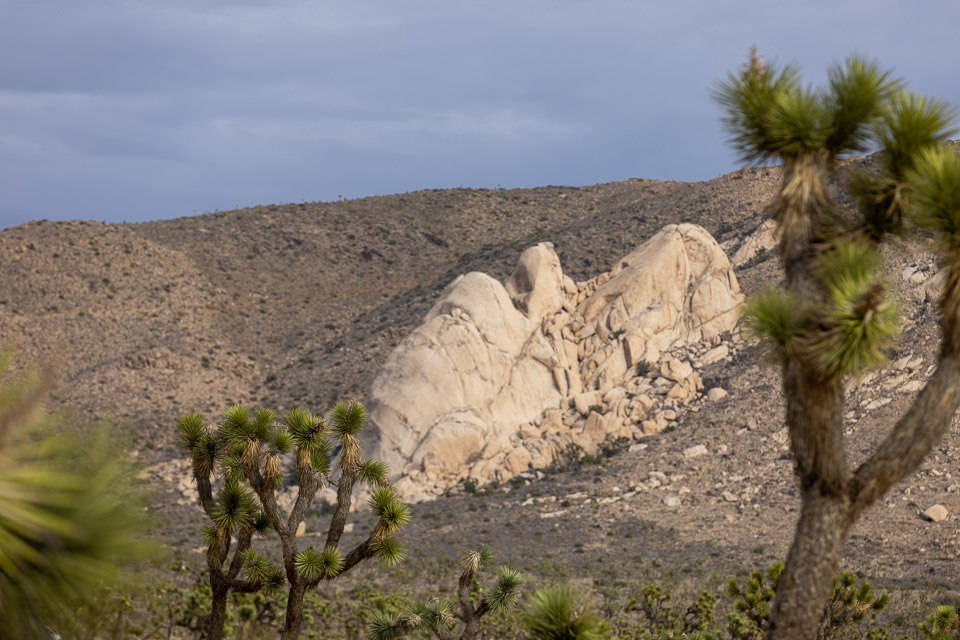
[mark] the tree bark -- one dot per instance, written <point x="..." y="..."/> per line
<point x="218" y="612"/>
<point x="811" y="565"/>
<point x="294" y="618"/>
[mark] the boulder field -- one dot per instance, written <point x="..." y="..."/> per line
<point x="504" y="379"/>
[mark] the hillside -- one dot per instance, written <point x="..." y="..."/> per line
<point x="301" y="303"/>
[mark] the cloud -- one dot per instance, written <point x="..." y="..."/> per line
<point x="123" y="109"/>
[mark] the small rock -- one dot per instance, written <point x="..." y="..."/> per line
<point x="676" y="370"/>
<point x="729" y="497"/>
<point x="529" y="432"/>
<point x="936" y="513"/>
<point x="714" y="355"/>
<point x="671" y="501"/>
<point x="716" y="394"/>
<point x="636" y="447"/>
<point x="693" y="452"/>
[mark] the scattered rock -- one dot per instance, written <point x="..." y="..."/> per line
<point x="936" y="513"/>
<point x="671" y="501"/>
<point x="716" y="394"/>
<point x="694" y="451"/>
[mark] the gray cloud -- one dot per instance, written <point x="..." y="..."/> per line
<point x="132" y="110"/>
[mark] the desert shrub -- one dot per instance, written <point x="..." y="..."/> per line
<point x="561" y="612"/>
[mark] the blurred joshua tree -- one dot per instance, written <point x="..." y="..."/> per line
<point x="561" y="612"/>
<point x="835" y="317"/>
<point x="436" y="616"/>
<point x="68" y="513"/>
<point x="248" y="449"/>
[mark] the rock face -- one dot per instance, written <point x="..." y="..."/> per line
<point x="504" y="378"/>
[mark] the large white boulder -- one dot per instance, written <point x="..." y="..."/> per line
<point x="490" y="359"/>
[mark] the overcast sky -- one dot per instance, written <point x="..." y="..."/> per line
<point x="128" y="110"/>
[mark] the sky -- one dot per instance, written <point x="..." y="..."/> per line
<point x="131" y="110"/>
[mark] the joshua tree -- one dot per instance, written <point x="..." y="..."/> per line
<point x="235" y="514"/>
<point x="436" y="616"/>
<point x="68" y="514"/>
<point x="835" y="316"/>
<point x="252" y="449"/>
<point x="560" y="612"/>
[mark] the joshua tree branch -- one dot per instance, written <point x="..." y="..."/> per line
<point x="924" y="424"/>
<point x="306" y="492"/>
<point x="344" y="500"/>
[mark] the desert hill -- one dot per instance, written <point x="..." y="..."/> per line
<point x="302" y="303"/>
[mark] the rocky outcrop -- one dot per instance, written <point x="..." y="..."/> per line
<point x="501" y="379"/>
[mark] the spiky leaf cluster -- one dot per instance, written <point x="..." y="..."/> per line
<point x="942" y="624"/>
<point x="748" y="97"/>
<point x="237" y="508"/>
<point x="435" y="616"/>
<point x="476" y="559"/>
<point x="850" y="603"/>
<point x="389" y="552"/>
<point x="261" y="571"/>
<point x="859" y="322"/>
<point x="935" y="192"/>
<point x="393" y="512"/>
<point x="770" y="113"/>
<point x="857" y="91"/>
<point x="69" y="512"/>
<point x="752" y="602"/>
<point x="910" y="124"/>
<point x="373" y="472"/>
<point x="561" y="612"/>
<point x="505" y="590"/>
<point x="204" y="447"/>
<point x="307" y="434"/>
<point x="316" y="565"/>
<point x="775" y="319"/>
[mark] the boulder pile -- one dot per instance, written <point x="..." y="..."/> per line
<point x="504" y="379"/>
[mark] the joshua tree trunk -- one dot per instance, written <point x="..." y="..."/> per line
<point x="291" y="629"/>
<point x="833" y="497"/>
<point x="218" y="612"/>
<point x="826" y="516"/>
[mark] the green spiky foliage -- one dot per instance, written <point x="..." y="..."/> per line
<point x="235" y="514"/>
<point x="253" y="449"/>
<point x="853" y="603"/>
<point x="664" y="621"/>
<point x="433" y="617"/>
<point x="858" y="323"/>
<point x="69" y="514"/>
<point x="942" y="624"/>
<point x="774" y="318"/>
<point x="436" y="616"/>
<point x="751" y="602"/>
<point x="561" y="612"/>
<point x="836" y="315"/>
